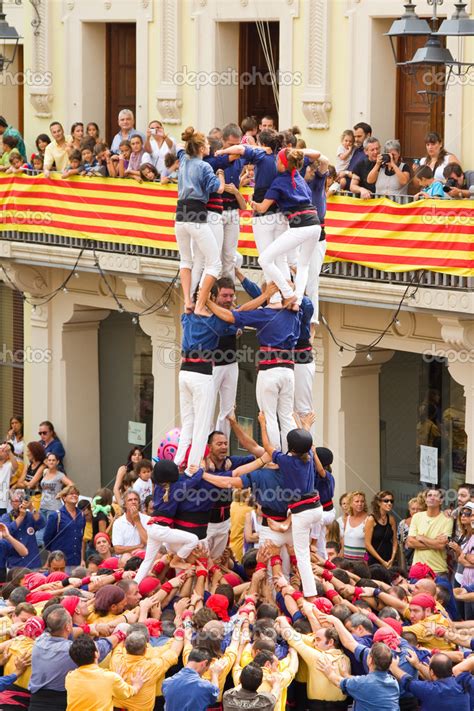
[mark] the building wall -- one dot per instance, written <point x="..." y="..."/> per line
<point x="342" y="65"/>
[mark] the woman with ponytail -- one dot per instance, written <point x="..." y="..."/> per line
<point x="169" y="491"/>
<point x="196" y="180"/>
<point x="268" y="225"/>
<point x="291" y="193"/>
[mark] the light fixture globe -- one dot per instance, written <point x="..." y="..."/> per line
<point x="409" y="24"/>
<point x="459" y="25"/>
<point x="9" y="38"/>
<point x="431" y="53"/>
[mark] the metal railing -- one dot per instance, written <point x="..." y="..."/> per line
<point x="339" y="270"/>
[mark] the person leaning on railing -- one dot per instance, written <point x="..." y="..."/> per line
<point x="390" y="175"/>
<point x="461" y="182"/>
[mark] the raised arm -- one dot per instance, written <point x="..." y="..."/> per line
<point x="244" y="439"/>
<point x="259" y="300"/>
<point x="269" y="448"/>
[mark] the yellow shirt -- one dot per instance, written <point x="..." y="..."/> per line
<point x="425" y="632"/>
<point x="287" y="668"/>
<point x="431" y="527"/>
<point x="56" y="154"/>
<point x="318" y="686"/>
<point x="17" y="648"/>
<point x="92" y="688"/>
<point x="238" y="512"/>
<point x="230" y="657"/>
<point x="154" y="668"/>
<point x="88" y="532"/>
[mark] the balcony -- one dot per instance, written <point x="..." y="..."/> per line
<point x="69" y="214"/>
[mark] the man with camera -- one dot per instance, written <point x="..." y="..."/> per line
<point x="362" y="183"/>
<point x="459" y="184"/>
<point x="22" y="522"/>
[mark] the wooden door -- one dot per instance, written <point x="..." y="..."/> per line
<point x="121" y="69"/>
<point x="415" y="116"/>
<point x="256" y="96"/>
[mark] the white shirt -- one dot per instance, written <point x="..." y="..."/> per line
<point x="125" y="533"/>
<point x="143" y="488"/>
<point x="5" y="476"/>
<point x="158" y="154"/>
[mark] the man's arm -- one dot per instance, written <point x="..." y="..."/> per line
<point x="223" y="314"/>
<point x="258" y="301"/>
<point x="269" y="448"/>
<point x="244" y="439"/>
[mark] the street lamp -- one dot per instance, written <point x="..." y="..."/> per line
<point x="432" y="54"/>
<point x="9" y="39"/>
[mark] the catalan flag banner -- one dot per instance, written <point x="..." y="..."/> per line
<point x="431" y="234"/>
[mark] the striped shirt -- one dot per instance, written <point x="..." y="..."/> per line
<point x="354" y="541"/>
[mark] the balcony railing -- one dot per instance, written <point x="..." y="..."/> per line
<point x="334" y="269"/>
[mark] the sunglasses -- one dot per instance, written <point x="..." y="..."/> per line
<point x="387" y="501"/>
<point x="43" y="432"/>
<point x="466" y="513"/>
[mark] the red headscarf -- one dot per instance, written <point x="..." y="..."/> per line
<point x="388" y="636"/>
<point x="283" y="156"/>
<point x="394" y="624"/>
<point x="424" y="600"/>
<point x="323" y="605"/>
<point x="102" y="534"/>
<point x="421" y="570"/>
<point x="219" y="604"/>
<point x="34" y="580"/>
<point x="56" y="577"/>
<point x="109" y="563"/>
<point x="34" y="627"/>
<point x="148" y="585"/>
<point x="70" y="603"/>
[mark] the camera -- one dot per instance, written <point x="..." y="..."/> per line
<point x="386" y="158"/>
<point x="449" y="185"/>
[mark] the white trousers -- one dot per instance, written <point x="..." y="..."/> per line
<point x="318" y="532"/>
<point x="301" y="524"/>
<point x="304" y="376"/>
<point x="267" y="229"/>
<point x="225" y="379"/>
<point x="280" y="539"/>
<point x="231" y="223"/>
<point x="312" y="288"/>
<point x="214" y="220"/>
<point x="197" y="236"/>
<point x="217" y="537"/>
<point x="180" y="542"/>
<point x="275" y="393"/>
<point x="196" y="403"/>
<point x="304" y="237"/>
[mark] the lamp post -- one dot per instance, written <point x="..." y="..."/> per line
<point x="9" y="39"/>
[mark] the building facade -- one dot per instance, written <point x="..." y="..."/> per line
<point x="183" y="62"/>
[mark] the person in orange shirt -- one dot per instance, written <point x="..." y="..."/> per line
<point x="92" y="688"/>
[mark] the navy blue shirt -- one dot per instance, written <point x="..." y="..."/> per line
<point x="307" y="311"/>
<point x="317" y="185"/>
<point x="175" y="493"/>
<point x="451" y="694"/>
<point x="64" y="533"/>
<point x="187" y="691"/>
<point x="268" y="486"/>
<point x="357" y="157"/>
<point x="6" y="549"/>
<point x="297" y="475"/>
<point x="289" y="197"/>
<point x="278" y="328"/>
<point x="265" y="167"/>
<point x="55" y="447"/>
<point x="251" y="288"/>
<point x="202" y="333"/>
<point x="25" y="533"/>
<point x="325" y="485"/>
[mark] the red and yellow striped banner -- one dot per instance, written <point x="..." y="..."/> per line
<point x="436" y="235"/>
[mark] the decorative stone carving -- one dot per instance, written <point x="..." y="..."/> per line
<point x="317" y="114"/>
<point x="316" y="100"/>
<point x="168" y="94"/>
<point x="127" y="263"/>
<point x="41" y="94"/>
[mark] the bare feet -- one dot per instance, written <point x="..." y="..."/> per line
<point x="290" y="302"/>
